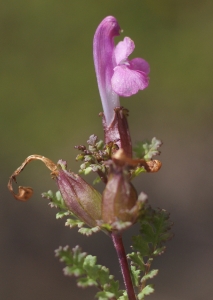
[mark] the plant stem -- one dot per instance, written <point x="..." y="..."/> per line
<point x="119" y="247"/>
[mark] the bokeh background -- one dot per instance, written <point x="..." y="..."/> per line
<point x="50" y="102"/>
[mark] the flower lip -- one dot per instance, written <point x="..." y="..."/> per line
<point x="123" y="50"/>
<point x="129" y="76"/>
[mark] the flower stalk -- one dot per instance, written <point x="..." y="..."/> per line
<point x="119" y="247"/>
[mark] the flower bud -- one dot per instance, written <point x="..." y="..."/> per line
<point x="118" y="130"/>
<point x="119" y="199"/>
<point x="80" y="197"/>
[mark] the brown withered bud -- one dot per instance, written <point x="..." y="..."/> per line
<point x="119" y="198"/>
<point x="80" y="197"/>
<point x="118" y="130"/>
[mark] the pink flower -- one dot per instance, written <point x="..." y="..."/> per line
<point x="129" y="76"/>
<point x="116" y="75"/>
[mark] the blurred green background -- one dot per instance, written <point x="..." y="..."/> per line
<point x="50" y="102"/>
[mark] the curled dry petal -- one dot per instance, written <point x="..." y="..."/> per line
<point x="25" y="193"/>
<point x="121" y="159"/>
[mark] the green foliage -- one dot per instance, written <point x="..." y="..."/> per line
<point x="89" y="231"/>
<point x="73" y="221"/>
<point x="154" y="232"/>
<point x="149" y="289"/>
<point x="96" y="180"/>
<point x="147" y="150"/>
<point x="93" y="156"/>
<point x="124" y="296"/>
<point x="137" y="171"/>
<point x="55" y="200"/>
<point x="88" y="273"/>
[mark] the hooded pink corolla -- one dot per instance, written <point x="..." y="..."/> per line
<point x="116" y="75"/>
<point x="103" y="54"/>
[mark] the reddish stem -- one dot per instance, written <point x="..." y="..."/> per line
<point x="119" y="247"/>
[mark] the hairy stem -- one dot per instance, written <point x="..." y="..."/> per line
<point x="119" y="247"/>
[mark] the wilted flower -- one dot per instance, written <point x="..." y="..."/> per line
<point x="80" y="197"/>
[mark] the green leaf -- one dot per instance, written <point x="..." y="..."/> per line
<point x="89" y="231"/>
<point x="84" y="266"/>
<point x="55" y="200"/>
<point x="73" y="271"/>
<point x="147" y="150"/>
<point x="94" y="157"/>
<point x="90" y="266"/>
<point x="87" y="171"/>
<point x="124" y="296"/>
<point x="155" y="228"/>
<point x="62" y="214"/>
<point x="103" y="275"/>
<point x="135" y="275"/>
<point x="149" y="275"/>
<point x="74" y="260"/>
<point x="113" y="287"/>
<point x="136" y="259"/>
<point x="159" y="251"/>
<point x="74" y="222"/>
<point x="137" y="171"/>
<point x="104" y="295"/>
<point x="100" y="145"/>
<point x="148" y="233"/>
<point x="149" y="289"/>
<point x="96" y="180"/>
<point x="86" y="282"/>
<point x="141" y="245"/>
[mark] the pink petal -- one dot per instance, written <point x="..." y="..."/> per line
<point x="139" y="64"/>
<point x="103" y="51"/>
<point x="123" y="50"/>
<point x="127" y="82"/>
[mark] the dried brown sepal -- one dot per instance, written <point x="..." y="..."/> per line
<point x="153" y="165"/>
<point x="25" y="193"/>
<point x="121" y="159"/>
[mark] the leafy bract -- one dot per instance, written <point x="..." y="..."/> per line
<point x="147" y="150"/>
<point x="155" y="228"/>
<point x="89" y="273"/>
